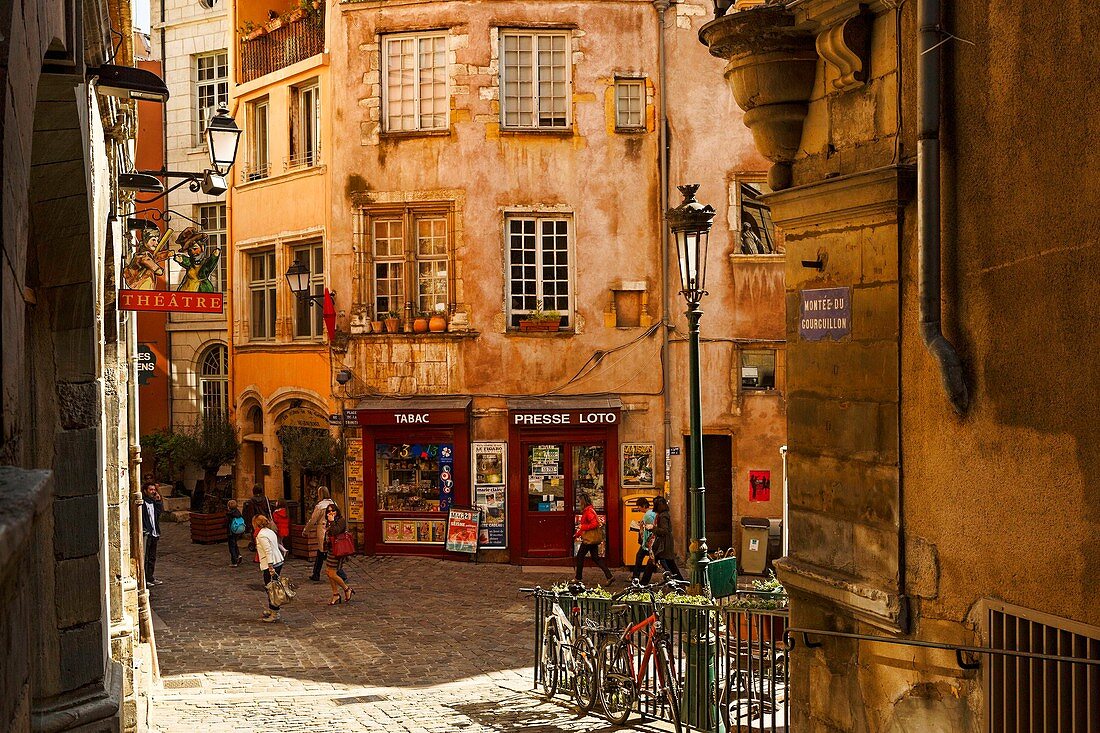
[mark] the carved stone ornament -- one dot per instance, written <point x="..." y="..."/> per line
<point x="771" y="71"/>
<point x="847" y="47"/>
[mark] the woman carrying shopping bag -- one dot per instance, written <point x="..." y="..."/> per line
<point x="590" y="533"/>
<point x="271" y="560"/>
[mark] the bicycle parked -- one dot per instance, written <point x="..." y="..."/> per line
<point x="620" y="683"/>
<point x="566" y="650"/>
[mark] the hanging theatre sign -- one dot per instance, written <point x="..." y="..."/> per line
<point x="147" y="284"/>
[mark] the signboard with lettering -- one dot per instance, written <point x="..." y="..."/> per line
<point x="825" y="313"/>
<point x="565" y="418"/>
<point x="146" y="364"/>
<point x="411" y="417"/>
<point x="354" y="468"/>
<point x="175" y="302"/>
<point x="462" y="529"/>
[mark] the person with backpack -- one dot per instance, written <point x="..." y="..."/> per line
<point x="234" y="530"/>
<point x="645" y="539"/>
<point x="663" y="543"/>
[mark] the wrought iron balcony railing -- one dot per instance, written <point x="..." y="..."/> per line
<point x="291" y="40"/>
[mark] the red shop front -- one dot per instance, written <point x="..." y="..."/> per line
<point x="416" y="464"/>
<point x="558" y="450"/>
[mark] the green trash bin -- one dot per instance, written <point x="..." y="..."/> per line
<point x="722" y="577"/>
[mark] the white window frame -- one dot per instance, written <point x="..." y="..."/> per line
<point x="212" y="219"/>
<point x="214" y="387"/>
<point x="624" y="83"/>
<point x="409" y="261"/>
<point x="418" y="101"/>
<point x="259" y="140"/>
<point x="312" y="312"/>
<point x="512" y="115"/>
<point x="265" y="287"/>
<point x="515" y="313"/>
<point x="306" y="141"/>
<point x="216" y="86"/>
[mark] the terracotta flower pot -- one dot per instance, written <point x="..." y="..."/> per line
<point x="393" y="325"/>
<point x="420" y="325"/>
<point x="437" y="324"/>
<point x="377" y="326"/>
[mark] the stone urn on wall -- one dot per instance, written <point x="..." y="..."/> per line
<point x="771" y="70"/>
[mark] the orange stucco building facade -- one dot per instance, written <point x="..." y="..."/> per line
<point x="482" y="185"/>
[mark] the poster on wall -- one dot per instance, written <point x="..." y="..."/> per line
<point x="353" y="467"/>
<point x="490" y="493"/>
<point x="637" y="465"/>
<point x="760" y="485"/>
<point x="462" y="529"/>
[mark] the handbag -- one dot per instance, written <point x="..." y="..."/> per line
<point x="280" y="591"/>
<point x="592" y="536"/>
<point x="343" y="544"/>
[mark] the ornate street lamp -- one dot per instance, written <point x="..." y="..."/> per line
<point x="690" y="224"/>
<point x="222" y="137"/>
<point x="297" y="277"/>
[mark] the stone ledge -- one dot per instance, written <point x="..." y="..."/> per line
<point x="883" y="609"/>
<point x="26" y="495"/>
<point x="850" y="199"/>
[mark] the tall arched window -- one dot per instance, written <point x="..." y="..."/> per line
<point x="214" y="381"/>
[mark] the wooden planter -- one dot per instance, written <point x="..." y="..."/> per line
<point x="208" y="528"/>
<point x="546" y="326"/>
<point x="300" y="546"/>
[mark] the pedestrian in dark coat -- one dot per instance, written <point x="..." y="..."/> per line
<point x="257" y="506"/>
<point x="152" y="506"/>
<point x="663" y="542"/>
<point x="234" y="530"/>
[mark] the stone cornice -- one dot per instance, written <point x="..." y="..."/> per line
<point x="863" y="195"/>
<point x="882" y="608"/>
<point x="819" y="14"/>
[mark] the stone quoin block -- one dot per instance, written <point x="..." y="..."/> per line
<point x="81" y="655"/>
<point x="77" y="462"/>
<point x="77" y="527"/>
<point x="77" y="591"/>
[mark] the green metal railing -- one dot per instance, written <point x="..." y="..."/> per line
<point x="731" y="661"/>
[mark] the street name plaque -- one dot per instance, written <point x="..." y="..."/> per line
<point x="825" y="313"/>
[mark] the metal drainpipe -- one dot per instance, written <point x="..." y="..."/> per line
<point x="928" y="203"/>
<point x="661" y="6"/>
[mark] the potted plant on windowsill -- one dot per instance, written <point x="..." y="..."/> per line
<point x="420" y="323"/>
<point x="540" y="320"/>
<point x="438" y="321"/>
<point x="393" y="322"/>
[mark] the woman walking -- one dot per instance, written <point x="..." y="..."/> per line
<point x="316" y="524"/>
<point x="663" y="544"/>
<point x="335" y="525"/>
<point x="590" y="536"/>
<point x="271" y="559"/>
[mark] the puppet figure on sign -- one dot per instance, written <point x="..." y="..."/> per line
<point x="146" y="264"/>
<point x="198" y="264"/>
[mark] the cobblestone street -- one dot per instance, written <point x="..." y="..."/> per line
<point x="425" y="645"/>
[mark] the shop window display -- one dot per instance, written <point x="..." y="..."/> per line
<point x="588" y="470"/>
<point x="415" y="478"/>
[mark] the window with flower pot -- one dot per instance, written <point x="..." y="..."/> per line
<point x="411" y="253"/>
<point x="539" y="271"/>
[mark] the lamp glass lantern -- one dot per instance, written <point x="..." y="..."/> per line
<point x="222" y="138"/>
<point x="297" y="276"/>
<point x="690" y="223"/>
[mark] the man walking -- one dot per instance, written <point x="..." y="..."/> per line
<point x="151" y="507"/>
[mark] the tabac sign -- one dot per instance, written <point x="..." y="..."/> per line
<point x="825" y="313"/>
<point x="147" y="285"/>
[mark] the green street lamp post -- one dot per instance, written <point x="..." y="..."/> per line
<point x="690" y="224"/>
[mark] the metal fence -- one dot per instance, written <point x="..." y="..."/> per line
<point x="288" y="44"/>
<point x="731" y="662"/>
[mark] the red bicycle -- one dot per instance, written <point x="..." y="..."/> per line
<point x="619" y="681"/>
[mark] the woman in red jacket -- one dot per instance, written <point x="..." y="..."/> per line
<point x="590" y="535"/>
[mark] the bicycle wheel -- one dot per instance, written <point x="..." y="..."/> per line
<point x="618" y="692"/>
<point x="584" y="675"/>
<point x="671" y="684"/>
<point x="550" y="662"/>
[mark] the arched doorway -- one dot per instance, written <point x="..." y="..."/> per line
<point x="311" y="457"/>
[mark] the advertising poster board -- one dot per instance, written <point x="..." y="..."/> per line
<point x="490" y="467"/>
<point x="637" y="465"/>
<point x="462" y="529"/>
<point x="354" y="475"/>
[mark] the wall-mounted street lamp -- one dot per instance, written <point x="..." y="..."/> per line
<point x="297" y="277"/>
<point x="222" y="139"/>
<point x="690" y="224"/>
<point x="129" y="82"/>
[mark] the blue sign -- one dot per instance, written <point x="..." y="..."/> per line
<point x="825" y="313"/>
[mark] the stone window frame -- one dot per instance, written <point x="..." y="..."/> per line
<point x="408" y="213"/>
<point x="216" y="380"/>
<point x="571" y="52"/>
<point x="202" y="115"/>
<point x="417" y="36"/>
<point x="512" y="315"/>
<point x="736" y="220"/>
